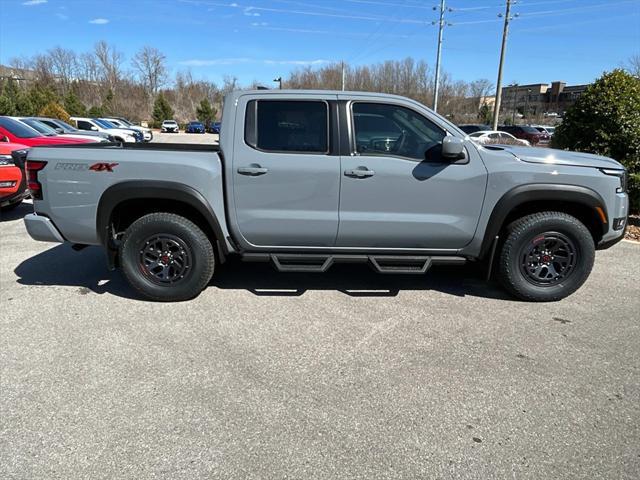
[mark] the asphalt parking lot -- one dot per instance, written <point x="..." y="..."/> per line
<point x="182" y="137"/>
<point x="343" y="375"/>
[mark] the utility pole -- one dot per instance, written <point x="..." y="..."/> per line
<point x="439" y="55"/>
<point x="505" y="34"/>
<point x="515" y="103"/>
<point x="343" y="75"/>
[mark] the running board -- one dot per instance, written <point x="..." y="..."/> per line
<point x="319" y="263"/>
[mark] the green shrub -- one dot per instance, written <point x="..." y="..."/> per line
<point x="634" y="193"/>
<point x="55" y="110"/>
<point x="605" y="120"/>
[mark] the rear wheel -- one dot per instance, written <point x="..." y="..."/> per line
<point x="546" y="256"/>
<point x="166" y="257"/>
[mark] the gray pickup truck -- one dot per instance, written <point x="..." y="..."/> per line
<point x="305" y="179"/>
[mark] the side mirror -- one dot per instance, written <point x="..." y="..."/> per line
<point x="59" y="130"/>
<point x="4" y="139"/>
<point x="95" y="129"/>
<point x="453" y="148"/>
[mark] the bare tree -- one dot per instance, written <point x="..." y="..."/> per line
<point x="151" y="67"/>
<point x="110" y="62"/>
<point x="64" y="64"/>
<point x="633" y="65"/>
<point x="480" y="88"/>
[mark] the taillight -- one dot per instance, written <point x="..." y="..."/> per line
<point x="32" y="168"/>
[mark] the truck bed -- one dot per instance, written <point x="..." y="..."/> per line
<point x="179" y="147"/>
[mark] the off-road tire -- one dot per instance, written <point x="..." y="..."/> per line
<point x="525" y="234"/>
<point x="198" y="250"/>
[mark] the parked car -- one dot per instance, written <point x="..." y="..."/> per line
<point x="194" y="127"/>
<point x="288" y="186"/>
<point x="96" y="125"/>
<point x="545" y="129"/>
<point x="63" y="127"/>
<point x="17" y="132"/>
<point x="497" y="137"/>
<point x="13" y="187"/>
<point x="471" y="128"/>
<point x="214" y="127"/>
<point x="47" y="131"/>
<point x="170" y="126"/>
<point x="147" y="134"/>
<point x="526" y="132"/>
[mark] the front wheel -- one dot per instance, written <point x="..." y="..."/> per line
<point x="166" y="257"/>
<point x="546" y="256"/>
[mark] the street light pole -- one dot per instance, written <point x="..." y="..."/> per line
<point x="503" y="49"/>
<point x="438" y="57"/>
<point x="279" y="80"/>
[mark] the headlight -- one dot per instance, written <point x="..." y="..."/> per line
<point x="6" y="160"/>
<point x="622" y="176"/>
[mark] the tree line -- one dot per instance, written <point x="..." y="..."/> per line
<point x="102" y="82"/>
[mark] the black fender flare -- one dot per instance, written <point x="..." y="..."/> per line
<point x="138" y="189"/>
<point x="538" y="192"/>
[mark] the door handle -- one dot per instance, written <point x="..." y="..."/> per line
<point x="254" y="170"/>
<point x="360" y="172"/>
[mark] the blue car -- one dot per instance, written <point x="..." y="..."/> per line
<point x="214" y="127"/>
<point x="195" y="127"/>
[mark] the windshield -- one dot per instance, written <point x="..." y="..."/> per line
<point x="104" y="123"/>
<point x="125" y="122"/>
<point x="18" y="129"/>
<point x="64" y="126"/>
<point x="528" y="129"/>
<point x="39" y="126"/>
<point x="477" y="134"/>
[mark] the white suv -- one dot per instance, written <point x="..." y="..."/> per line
<point x="96" y="125"/>
<point x="170" y="126"/>
<point x="124" y="123"/>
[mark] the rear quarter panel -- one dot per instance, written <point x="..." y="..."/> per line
<point x="72" y="192"/>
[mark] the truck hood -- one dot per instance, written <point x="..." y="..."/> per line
<point x="561" y="157"/>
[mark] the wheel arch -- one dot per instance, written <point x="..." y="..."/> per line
<point x="128" y="201"/>
<point x="584" y="203"/>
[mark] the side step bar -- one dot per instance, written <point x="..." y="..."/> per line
<point x="318" y="263"/>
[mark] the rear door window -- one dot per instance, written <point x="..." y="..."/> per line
<point x="287" y="126"/>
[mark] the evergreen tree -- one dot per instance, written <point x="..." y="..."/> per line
<point x="161" y="110"/>
<point x="205" y="112"/>
<point x="73" y="105"/>
<point x="95" y="111"/>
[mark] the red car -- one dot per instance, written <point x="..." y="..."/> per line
<point x="17" y="132"/>
<point x="526" y="132"/>
<point x="12" y="179"/>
